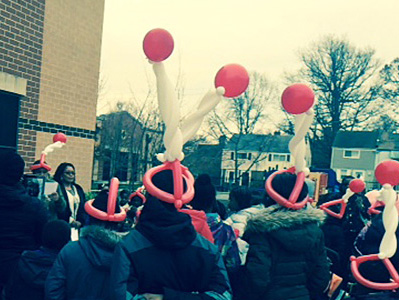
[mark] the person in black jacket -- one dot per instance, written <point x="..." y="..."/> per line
<point x="164" y="257"/>
<point x="27" y="281"/>
<point x="82" y="269"/>
<point x="286" y="258"/>
<point x="72" y="194"/>
<point x="22" y="217"/>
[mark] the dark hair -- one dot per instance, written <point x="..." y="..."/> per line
<point x="101" y="203"/>
<point x="205" y="194"/>
<point x="56" y="234"/>
<point x="60" y="171"/>
<point x="284" y="184"/>
<point x="242" y="196"/>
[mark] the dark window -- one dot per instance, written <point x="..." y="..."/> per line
<point x="9" y="111"/>
<point x="232" y="155"/>
<point x="249" y="156"/>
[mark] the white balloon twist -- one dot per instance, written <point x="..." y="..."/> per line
<point x="347" y="195"/>
<point x="50" y="148"/>
<point x="389" y="243"/>
<point x="175" y="136"/>
<point x="297" y="144"/>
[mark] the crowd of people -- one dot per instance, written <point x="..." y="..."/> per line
<point x="52" y="248"/>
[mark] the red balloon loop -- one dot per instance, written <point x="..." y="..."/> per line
<point x="356" y="262"/>
<point x="339" y="215"/>
<point x="292" y="201"/>
<point x="138" y="193"/>
<point x="41" y="164"/>
<point x="158" y="45"/>
<point x="234" y="78"/>
<point x="60" y="137"/>
<point x="178" y="198"/>
<point x="110" y="215"/>
<point x="297" y="99"/>
<point x="357" y="186"/>
<point x="388" y="172"/>
<point x="372" y="210"/>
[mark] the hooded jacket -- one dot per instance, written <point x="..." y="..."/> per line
<point x="22" y="219"/>
<point x="27" y="281"/>
<point x="82" y="269"/>
<point x="165" y="255"/>
<point x="286" y="257"/>
<point x="199" y="221"/>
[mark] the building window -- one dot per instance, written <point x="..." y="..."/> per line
<point x="232" y="155"/>
<point x="243" y="155"/>
<point x="352" y="154"/>
<point x="249" y="156"/>
<point x="280" y="157"/>
<point x="231" y="176"/>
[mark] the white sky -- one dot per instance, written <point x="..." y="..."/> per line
<point x="261" y="35"/>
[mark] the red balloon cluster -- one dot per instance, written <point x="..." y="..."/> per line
<point x="60" y="137"/>
<point x="158" y="45"/>
<point x="234" y="78"/>
<point x="357" y="185"/>
<point x="297" y="98"/>
<point x="388" y="172"/>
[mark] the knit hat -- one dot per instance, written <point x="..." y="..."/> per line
<point x="284" y="184"/>
<point x="101" y="202"/>
<point x="164" y="181"/>
<point x="12" y="167"/>
<point x="56" y="234"/>
<point x="205" y="193"/>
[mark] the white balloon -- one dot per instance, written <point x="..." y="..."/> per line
<point x="389" y="242"/>
<point x="50" y="148"/>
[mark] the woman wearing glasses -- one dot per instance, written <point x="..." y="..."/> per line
<point x="72" y="194"/>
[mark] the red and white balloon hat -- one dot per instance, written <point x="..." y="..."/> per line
<point x="59" y="140"/>
<point x="297" y="99"/>
<point x="230" y="81"/>
<point x="110" y="214"/>
<point x="355" y="186"/>
<point x="387" y="174"/>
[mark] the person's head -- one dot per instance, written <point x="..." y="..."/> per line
<point x="12" y="167"/>
<point x="123" y="197"/>
<point x="101" y="203"/>
<point x="41" y="171"/>
<point x="65" y="173"/>
<point x="205" y="194"/>
<point x="56" y="234"/>
<point x="284" y="183"/>
<point x="240" y="198"/>
<point x="345" y="184"/>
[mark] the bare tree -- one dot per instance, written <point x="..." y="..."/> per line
<point x="344" y="81"/>
<point x="390" y="76"/>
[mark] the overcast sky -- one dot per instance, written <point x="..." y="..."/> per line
<point x="261" y="35"/>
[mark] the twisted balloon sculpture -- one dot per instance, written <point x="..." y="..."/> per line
<point x="59" y="140"/>
<point x="230" y="81"/>
<point x="297" y="99"/>
<point x="387" y="174"/>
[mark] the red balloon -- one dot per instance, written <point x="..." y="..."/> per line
<point x="158" y="45"/>
<point x="297" y="98"/>
<point x="388" y="172"/>
<point x="60" y="137"/>
<point x="357" y="185"/>
<point x="234" y="78"/>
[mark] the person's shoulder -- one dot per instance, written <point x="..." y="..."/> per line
<point x="204" y="244"/>
<point x="135" y="241"/>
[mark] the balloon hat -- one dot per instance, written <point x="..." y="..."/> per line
<point x="387" y="174"/>
<point x="59" y="140"/>
<point x="230" y="81"/>
<point x="110" y="215"/>
<point x="355" y="186"/>
<point x="297" y="99"/>
<point x="138" y="193"/>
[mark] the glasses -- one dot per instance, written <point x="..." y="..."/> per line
<point x="69" y="173"/>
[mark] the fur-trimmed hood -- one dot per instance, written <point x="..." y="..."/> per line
<point x="295" y="229"/>
<point x="98" y="244"/>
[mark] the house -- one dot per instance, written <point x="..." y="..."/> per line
<point x="248" y="158"/>
<point x="357" y="153"/>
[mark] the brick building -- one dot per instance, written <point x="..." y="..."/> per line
<point x="49" y="69"/>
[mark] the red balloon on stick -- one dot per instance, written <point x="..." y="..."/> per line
<point x="357" y="185"/>
<point x="158" y="45"/>
<point x="388" y="172"/>
<point x="297" y="98"/>
<point x="60" y="137"/>
<point x="234" y="78"/>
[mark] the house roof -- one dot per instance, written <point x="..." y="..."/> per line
<point x="356" y="139"/>
<point x="256" y="142"/>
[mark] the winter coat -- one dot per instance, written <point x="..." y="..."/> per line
<point x="286" y="258"/>
<point x="22" y="219"/>
<point x="199" y="221"/>
<point x="165" y="255"/>
<point x="81" y="215"/>
<point x="82" y="269"/>
<point x="27" y="281"/>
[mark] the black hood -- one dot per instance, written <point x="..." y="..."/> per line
<point x="98" y="245"/>
<point x="35" y="265"/>
<point x="13" y="196"/>
<point x="293" y="229"/>
<point x="164" y="226"/>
